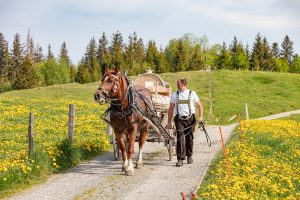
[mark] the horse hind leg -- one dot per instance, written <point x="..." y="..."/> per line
<point x="143" y="137"/>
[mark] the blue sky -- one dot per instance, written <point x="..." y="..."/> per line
<point x="77" y="21"/>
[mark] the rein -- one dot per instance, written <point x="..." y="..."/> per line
<point x="201" y="127"/>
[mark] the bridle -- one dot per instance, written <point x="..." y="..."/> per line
<point x="113" y="89"/>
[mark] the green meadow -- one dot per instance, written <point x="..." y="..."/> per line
<point x="265" y="93"/>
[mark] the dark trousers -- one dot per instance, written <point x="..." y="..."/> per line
<point x="184" y="137"/>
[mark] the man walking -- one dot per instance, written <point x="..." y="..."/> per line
<point x="185" y="102"/>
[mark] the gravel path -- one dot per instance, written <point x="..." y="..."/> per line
<point x="102" y="178"/>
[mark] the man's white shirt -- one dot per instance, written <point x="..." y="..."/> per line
<point x="183" y="109"/>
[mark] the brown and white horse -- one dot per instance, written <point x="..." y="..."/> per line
<point x="126" y="118"/>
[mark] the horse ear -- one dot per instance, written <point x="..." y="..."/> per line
<point x="116" y="70"/>
<point x="106" y="71"/>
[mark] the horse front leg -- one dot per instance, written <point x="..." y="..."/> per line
<point x="143" y="137"/>
<point x="131" y="139"/>
<point x="123" y="151"/>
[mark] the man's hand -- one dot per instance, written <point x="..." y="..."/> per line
<point x="168" y="126"/>
<point x="200" y="119"/>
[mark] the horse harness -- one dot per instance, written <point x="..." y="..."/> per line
<point x="132" y="94"/>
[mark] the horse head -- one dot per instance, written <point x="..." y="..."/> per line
<point x="109" y="87"/>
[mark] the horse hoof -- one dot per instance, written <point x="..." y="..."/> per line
<point x="123" y="169"/>
<point x="139" y="165"/>
<point x="129" y="173"/>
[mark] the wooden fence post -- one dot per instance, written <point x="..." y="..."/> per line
<point x="210" y="96"/>
<point x="30" y="132"/>
<point x="71" y="121"/>
<point x="246" y="111"/>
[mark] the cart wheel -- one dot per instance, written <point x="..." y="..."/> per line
<point x="170" y="150"/>
<point x="116" y="147"/>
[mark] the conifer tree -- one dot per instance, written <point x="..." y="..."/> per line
<point x="72" y="73"/>
<point x="103" y="54"/>
<point x="89" y="69"/>
<point x="50" y="55"/>
<point x="16" y="59"/>
<point x="247" y="52"/>
<point x="268" y="63"/>
<point x="275" y="50"/>
<point x="197" y="61"/>
<point x="295" y="66"/>
<point x="38" y="54"/>
<point x="83" y="75"/>
<point x="27" y="77"/>
<point x="162" y="66"/>
<point x="152" y="57"/>
<point x="63" y="56"/>
<point x="257" y="53"/>
<point x="287" y="49"/>
<point x="139" y="49"/>
<point x="91" y="60"/>
<point x="4" y="59"/>
<point x="180" y="58"/>
<point x="117" y="50"/>
<point x="234" y="49"/>
<point x="169" y="53"/>
<point x="223" y="58"/>
<point x="239" y="58"/>
<point x="134" y="55"/>
<point x="30" y="47"/>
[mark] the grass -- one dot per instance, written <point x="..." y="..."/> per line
<point x="265" y="94"/>
<point x="75" y="91"/>
<point x="295" y="117"/>
<point x="55" y="152"/>
<point x="265" y="166"/>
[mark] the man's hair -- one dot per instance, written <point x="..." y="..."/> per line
<point x="183" y="81"/>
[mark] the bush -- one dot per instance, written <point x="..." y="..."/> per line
<point x="55" y="73"/>
<point x="70" y="155"/>
<point x="5" y="86"/>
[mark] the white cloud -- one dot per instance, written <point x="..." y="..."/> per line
<point x="58" y="20"/>
<point x="246" y="17"/>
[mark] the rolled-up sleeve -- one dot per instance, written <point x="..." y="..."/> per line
<point x="173" y="98"/>
<point x="195" y="97"/>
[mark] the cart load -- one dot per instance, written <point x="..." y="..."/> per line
<point x="160" y="90"/>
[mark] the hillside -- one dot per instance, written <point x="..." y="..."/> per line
<point x="265" y="92"/>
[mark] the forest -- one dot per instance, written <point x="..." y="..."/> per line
<point x="25" y="65"/>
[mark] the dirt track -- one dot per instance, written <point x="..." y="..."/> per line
<point x="102" y="177"/>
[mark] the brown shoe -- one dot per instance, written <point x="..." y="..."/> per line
<point x="189" y="160"/>
<point x="179" y="163"/>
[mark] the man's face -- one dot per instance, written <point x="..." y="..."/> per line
<point x="180" y="86"/>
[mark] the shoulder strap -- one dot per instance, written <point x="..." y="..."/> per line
<point x="189" y="102"/>
<point x="177" y="101"/>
